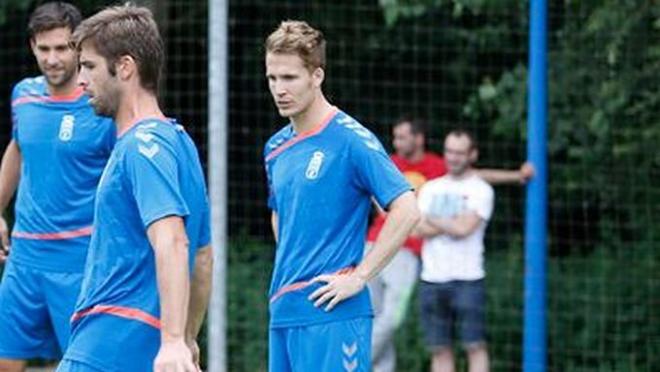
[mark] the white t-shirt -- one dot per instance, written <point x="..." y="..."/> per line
<point x="445" y="258"/>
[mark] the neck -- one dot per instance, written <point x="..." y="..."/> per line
<point x="416" y="156"/>
<point x="65" y="89"/>
<point x="312" y="116"/>
<point x="134" y="106"/>
<point x="463" y="175"/>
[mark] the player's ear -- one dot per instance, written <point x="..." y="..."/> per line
<point x="125" y="67"/>
<point x="318" y="75"/>
<point x="33" y="45"/>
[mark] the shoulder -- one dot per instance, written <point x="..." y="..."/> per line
<point x="432" y="157"/>
<point x="31" y="86"/>
<point x="150" y="136"/>
<point x="435" y="184"/>
<point x="278" y="139"/>
<point x="479" y="185"/>
<point x="354" y="133"/>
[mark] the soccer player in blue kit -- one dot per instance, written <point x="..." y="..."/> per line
<point x="147" y="277"/>
<point x="57" y="153"/>
<point x="323" y="170"/>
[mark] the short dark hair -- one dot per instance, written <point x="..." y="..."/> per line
<point x="459" y="132"/>
<point x="417" y="125"/>
<point x="52" y="15"/>
<point x="126" y="30"/>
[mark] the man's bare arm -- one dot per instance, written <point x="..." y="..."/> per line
<point x="401" y="219"/>
<point x="10" y="171"/>
<point x="200" y="293"/>
<point x="501" y="176"/>
<point x="457" y="227"/>
<point x="170" y="244"/>
<point x="273" y="224"/>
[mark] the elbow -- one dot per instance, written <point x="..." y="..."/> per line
<point x="204" y="260"/>
<point x="462" y="232"/>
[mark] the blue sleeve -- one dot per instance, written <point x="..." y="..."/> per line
<point x="151" y="164"/>
<point x="14" y="117"/>
<point x="375" y="171"/>
<point x="269" y="178"/>
<point x="205" y="230"/>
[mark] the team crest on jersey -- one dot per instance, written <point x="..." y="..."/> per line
<point x="66" y="127"/>
<point x="314" y="165"/>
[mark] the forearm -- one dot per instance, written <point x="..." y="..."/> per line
<point x="274" y="224"/>
<point x="456" y="227"/>
<point x="173" y="287"/>
<point x="425" y="229"/>
<point x="200" y="291"/>
<point x="401" y="219"/>
<point x="10" y="169"/>
<point x="498" y="176"/>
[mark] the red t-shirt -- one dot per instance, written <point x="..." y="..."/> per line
<point x="431" y="166"/>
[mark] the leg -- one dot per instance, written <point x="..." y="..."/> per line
<point x="436" y="320"/>
<point x="442" y="360"/>
<point x="72" y="366"/>
<point x="478" y="358"/>
<point x="106" y="342"/>
<point x="398" y="280"/>
<point x="330" y="347"/>
<point x="24" y="324"/>
<point x="470" y="308"/>
<point x="12" y="365"/>
<point x="278" y="355"/>
<point x="61" y="291"/>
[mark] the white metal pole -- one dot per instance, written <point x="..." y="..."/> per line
<point x="218" y="92"/>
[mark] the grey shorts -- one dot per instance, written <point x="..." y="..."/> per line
<point x="453" y="307"/>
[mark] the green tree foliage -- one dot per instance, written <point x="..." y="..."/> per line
<point x="604" y="116"/>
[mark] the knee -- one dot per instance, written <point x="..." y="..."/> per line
<point x="477" y="348"/>
<point x="7" y="365"/>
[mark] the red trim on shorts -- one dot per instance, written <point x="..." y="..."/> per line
<point x="84" y="231"/>
<point x="120" y="311"/>
<point x="301" y="136"/>
<point x="300" y="285"/>
<point x="72" y="97"/>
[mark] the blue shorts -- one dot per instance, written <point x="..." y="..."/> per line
<point x="456" y="305"/>
<point x="35" y="311"/>
<point x="109" y="343"/>
<point x="337" y="346"/>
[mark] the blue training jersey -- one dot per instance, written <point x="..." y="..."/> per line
<point x="64" y="147"/>
<point x="153" y="172"/>
<point x="321" y="184"/>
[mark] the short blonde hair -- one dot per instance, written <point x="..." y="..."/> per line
<point x="301" y="39"/>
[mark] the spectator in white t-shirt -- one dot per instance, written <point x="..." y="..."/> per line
<point x="456" y="209"/>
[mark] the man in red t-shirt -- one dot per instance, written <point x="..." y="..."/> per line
<point x="392" y="288"/>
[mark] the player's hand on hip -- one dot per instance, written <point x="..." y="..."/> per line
<point x="338" y="287"/>
<point x="4" y="240"/>
<point x="174" y="356"/>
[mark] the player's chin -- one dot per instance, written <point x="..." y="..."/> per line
<point x="286" y="111"/>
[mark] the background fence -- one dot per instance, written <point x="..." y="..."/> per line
<point x="454" y="63"/>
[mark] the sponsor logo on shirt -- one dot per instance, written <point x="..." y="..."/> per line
<point x="66" y="127"/>
<point x="314" y="165"/>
